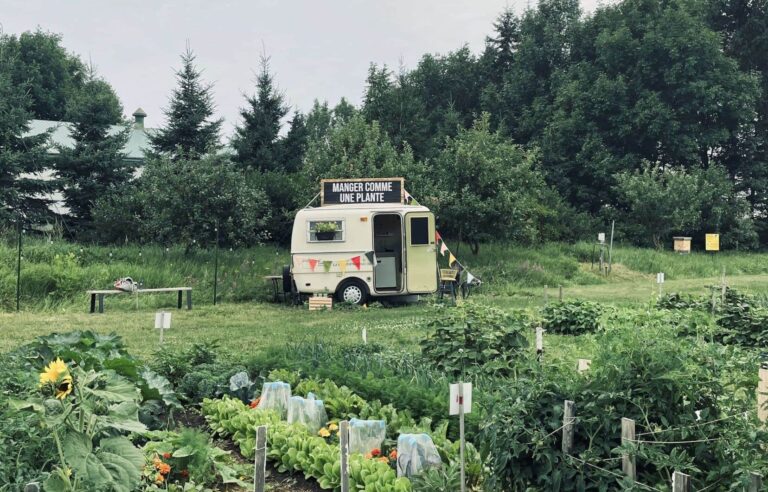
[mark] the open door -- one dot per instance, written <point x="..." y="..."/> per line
<point x="420" y="253"/>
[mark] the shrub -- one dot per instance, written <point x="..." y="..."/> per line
<point x="572" y="317"/>
<point x="475" y="338"/>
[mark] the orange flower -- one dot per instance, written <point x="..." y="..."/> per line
<point x="323" y="432"/>
<point x="166" y="455"/>
<point x="376" y="452"/>
<point x="255" y="403"/>
<point x="393" y="454"/>
<point x="164" y="468"/>
<point x="368" y="456"/>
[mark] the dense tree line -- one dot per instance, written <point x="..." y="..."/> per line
<point x="653" y="113"/>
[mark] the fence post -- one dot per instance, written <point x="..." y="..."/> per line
<point x="560" y="294"/>
<point x="627" y="436"/>
<point x="755" y="482"/>
<point x="344" y="444"/>
<point x="539" y="342"/>
<point x="681" y="482"/>
<point x="546" y="295"/>
<point x="569" y="413"/>
<point x="260" y="462"/>
<point x="762" y="395"/>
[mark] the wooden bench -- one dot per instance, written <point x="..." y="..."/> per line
<point x="102" y="293"/>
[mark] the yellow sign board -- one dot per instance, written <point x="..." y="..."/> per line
<point x="712" y="242"/>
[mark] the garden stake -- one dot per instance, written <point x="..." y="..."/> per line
<point x="461" y="431"/>
<point x="539" y="343"/>
<point x="216" y="265"/>
<point x="681" y="482"/>
<point x="18" y="268"/>
<point x="762" y="396"/>
<point x="260" y="461"/>
<point x="568" y="418"/>
<point x="755" y="482"/>
<point x="344" y="445"/>
<point x="560" y="294"/>
<point x="546" y="296"/>
<point x="628" y="465"/>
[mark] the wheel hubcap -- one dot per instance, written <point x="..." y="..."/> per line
<point x="353" y="294"/>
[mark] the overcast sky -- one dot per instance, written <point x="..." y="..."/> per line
<point x="319" y="49"/>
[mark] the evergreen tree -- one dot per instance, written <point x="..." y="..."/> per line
<point x="256" y="141"/>
<point x="294" y="144"/>
<point x="501" y="48"/>
<point x="19" y="155"/>
<point x="343" y="112"/>
<point x="190" y="131"/>
<point x="95" y="165"/>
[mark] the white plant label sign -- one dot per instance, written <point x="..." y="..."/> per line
<point x="660" y="278"/>
<point x="455" y="402"/>
<point x="162" y="320"/>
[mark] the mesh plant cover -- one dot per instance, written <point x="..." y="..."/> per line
<point x="308" y="411"/>
<point x="366" y="435"/>
<point x="415" y="452"/>
<point x="275" y="396"/>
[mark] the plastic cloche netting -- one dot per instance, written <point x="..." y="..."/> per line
<point x="309" y="411"/>
<point x="366" y="435"/>
<point x="275" y="396"/>
<point x="415" y="452"/>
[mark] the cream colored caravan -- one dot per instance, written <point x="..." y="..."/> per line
<point x="364" y="242"/>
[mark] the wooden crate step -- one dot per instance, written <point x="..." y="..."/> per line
<point x="320" y="302"/>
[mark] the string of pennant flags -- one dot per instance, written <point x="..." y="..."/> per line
<point x="471" y="279"/>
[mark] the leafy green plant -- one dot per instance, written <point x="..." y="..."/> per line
<point x="572" y="317"/>
<point x="325" y="227"/>
<point x="475" y="338"/>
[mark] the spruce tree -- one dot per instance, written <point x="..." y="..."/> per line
<point x="20" y="191"/>
<point x="190" y="130"/>
<point x="294" y="144"/>
<point x="95" y="165"/>
<point x="256" y="140"/>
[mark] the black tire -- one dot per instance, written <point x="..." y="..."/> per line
<point x="353" y="291"/>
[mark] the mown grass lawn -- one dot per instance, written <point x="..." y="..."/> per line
<point x="251" y="327"/>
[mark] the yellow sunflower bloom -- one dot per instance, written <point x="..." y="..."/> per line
<point x="332" y="427"/>
<point x="53" y="372"/>
<point x="323" y="432"/>
<point x="64" y="387"/>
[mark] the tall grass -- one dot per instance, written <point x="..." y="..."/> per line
<point x="56" y="274"/>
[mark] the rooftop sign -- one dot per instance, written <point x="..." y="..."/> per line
<point x="361" y="191"/>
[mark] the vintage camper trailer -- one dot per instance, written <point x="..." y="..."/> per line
<point x="364" y="242"/>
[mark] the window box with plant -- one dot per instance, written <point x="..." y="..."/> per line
<point x="326" y="231"/>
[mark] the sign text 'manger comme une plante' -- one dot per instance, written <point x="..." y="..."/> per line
<point x="361" y="191"/>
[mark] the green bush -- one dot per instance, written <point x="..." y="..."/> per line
<point x="572" y="317"/>
<point x="475" y="339"/>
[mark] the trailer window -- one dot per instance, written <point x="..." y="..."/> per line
<point x="419" y="230"/>
<point x="319" y="231"/>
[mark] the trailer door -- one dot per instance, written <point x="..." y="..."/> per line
<point x="420" y="253"/>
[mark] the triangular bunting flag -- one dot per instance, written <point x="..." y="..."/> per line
<point x="312" y="264"/>
<point x="327" y="265"/>
<point x="343" y="266"/>
<point x="437" y="236"/>
<point x="297" y="261"/>
<point x="470" y="278"/>
<point x="370" y="255"/>
<point x="356" y="262"/>
<point x="443" y="249"/>
<point x="451" y="259"/>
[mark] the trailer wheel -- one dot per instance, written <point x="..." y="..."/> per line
<point x="352" y="291"/>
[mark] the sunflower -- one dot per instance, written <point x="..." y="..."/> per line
<point x="53" y="372"/>
<point x="64" y="387"/>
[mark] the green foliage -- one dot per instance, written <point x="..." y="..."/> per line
<point x="572" y="317"/>
<point x="743" y="320"/>
<point x="489" y="188"/>
<point x="475" y="339"/>
<point x="192" y="456"/>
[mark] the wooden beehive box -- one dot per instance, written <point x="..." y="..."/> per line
<point x="317" y="303"/>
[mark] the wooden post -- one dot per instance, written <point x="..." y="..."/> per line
<point x="560" y="294"/>
<point x="461" y="433"/>
<point x="755" y="482"/>
<point x="762" y="396"/>
<point x="628" y="436"/>
<point x="546" y="296"/>
<point x="260" y="462"/>
<point x="344" y="444"/>
<point x="681" y="482"/>
<point x="610" y="248"/>
<point x="539" y="342"/>
<point x="569" y="415"/>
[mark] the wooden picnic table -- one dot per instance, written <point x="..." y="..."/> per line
<point x="101" y="293"/>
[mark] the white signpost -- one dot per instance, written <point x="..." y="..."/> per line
<point x="365" y="335"/>
<point x="660" y="281"/>
<point x="162" y="322"/>
<point x="461" y="403"/>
